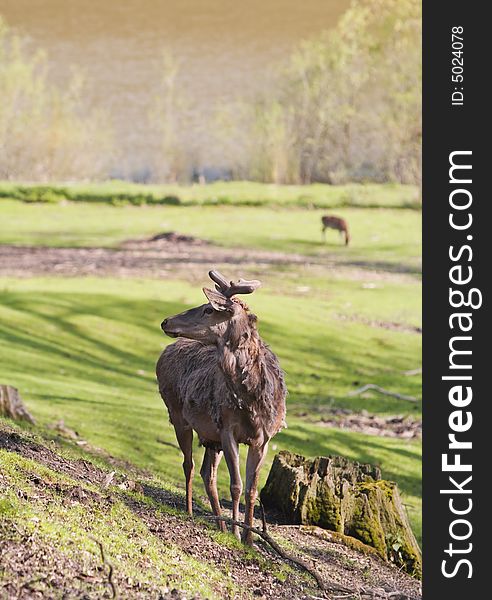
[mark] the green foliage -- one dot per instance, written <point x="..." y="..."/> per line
<point x="46" y="131"/>
<point x="238" y="193"/>
<point x="348" y="106"/>
<point x="36" y="193"/>
<point x="169" y="117"/>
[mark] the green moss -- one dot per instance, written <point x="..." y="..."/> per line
<point x="71" y="527"/>
<point x="366" y="527"/>
<point x="390" y="538"/>
<point x="9" y="505"/>
<point x="386" y="487"/>
<point x="323" y="509"/>
<point x="352" y="542"/>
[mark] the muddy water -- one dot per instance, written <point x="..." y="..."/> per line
<point x="224" y="48"/>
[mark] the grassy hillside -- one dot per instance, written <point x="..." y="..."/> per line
<point x="76" y="522"/>
<point x="82" y="349"/>
<point x="61" y="506"/>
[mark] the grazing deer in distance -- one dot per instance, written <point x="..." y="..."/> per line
<point x="221" y="380"/>
<point x="332" y="222"/>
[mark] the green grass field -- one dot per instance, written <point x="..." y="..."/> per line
<point x="380" y="237"/>
<point x="84" y="349"/>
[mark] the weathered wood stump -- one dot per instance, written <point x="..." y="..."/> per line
<point x="11" y="404"/>
<point x="346" y="497"/>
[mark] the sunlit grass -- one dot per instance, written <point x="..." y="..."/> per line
<point x="72" y="528"/>
<point x="84" y="350"/>
<point x="380" y="238"/>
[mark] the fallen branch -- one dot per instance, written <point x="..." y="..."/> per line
<point x="380" y="390"/>
<point x="110" y="567"/>
<point x="328" y="586"/>
<point x="412" y="372"/>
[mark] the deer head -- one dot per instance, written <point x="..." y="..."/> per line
<point x="208" y="322"/>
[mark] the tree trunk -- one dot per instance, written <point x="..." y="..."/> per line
<point x="11" y="404"/>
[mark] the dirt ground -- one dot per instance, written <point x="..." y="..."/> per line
<point x="173" y="255"/>
<point x="395" y="426"/>
<point x="346" y="573"/>
<point x="153" y="259"/>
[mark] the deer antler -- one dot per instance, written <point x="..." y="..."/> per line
<point x="221" y="282"/>
<point x="229" y="288"/>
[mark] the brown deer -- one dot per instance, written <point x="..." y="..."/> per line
<point x="221" y="380"/>
<point x="337" y="223"/>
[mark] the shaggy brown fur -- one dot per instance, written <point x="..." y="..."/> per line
<point x="223" y="382"/>
<point x="240" y="373"/>
<point x="337" y="223"/>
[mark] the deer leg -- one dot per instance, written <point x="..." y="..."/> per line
<point x="231" y="454"/>
<point x="211" y="460"/>
<point x="256" y="456"/>
<point x="323" y="234"/>
<point x="184" y="435"/>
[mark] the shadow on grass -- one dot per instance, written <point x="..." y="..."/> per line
<point x="78" y="355"/>
<point x="380" y="265"/>
<point x="86" y="352"/>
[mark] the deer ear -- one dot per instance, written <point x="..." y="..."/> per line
<point x="218" y="300"/>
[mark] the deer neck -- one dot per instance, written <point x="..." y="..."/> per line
<point x="239" y="351"/>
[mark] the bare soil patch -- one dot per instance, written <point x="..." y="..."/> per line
<point x="397" y="426"/>
<point x="175" y="254"/>
<point x="391" y="325"/>
<point x="147" y="259"/>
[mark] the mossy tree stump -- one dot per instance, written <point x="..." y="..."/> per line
<point x="347" y="497"/>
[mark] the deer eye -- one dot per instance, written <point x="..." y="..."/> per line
<point x="208" y="310"/>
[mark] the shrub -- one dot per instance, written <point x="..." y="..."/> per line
<point x="46" y="132"/>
